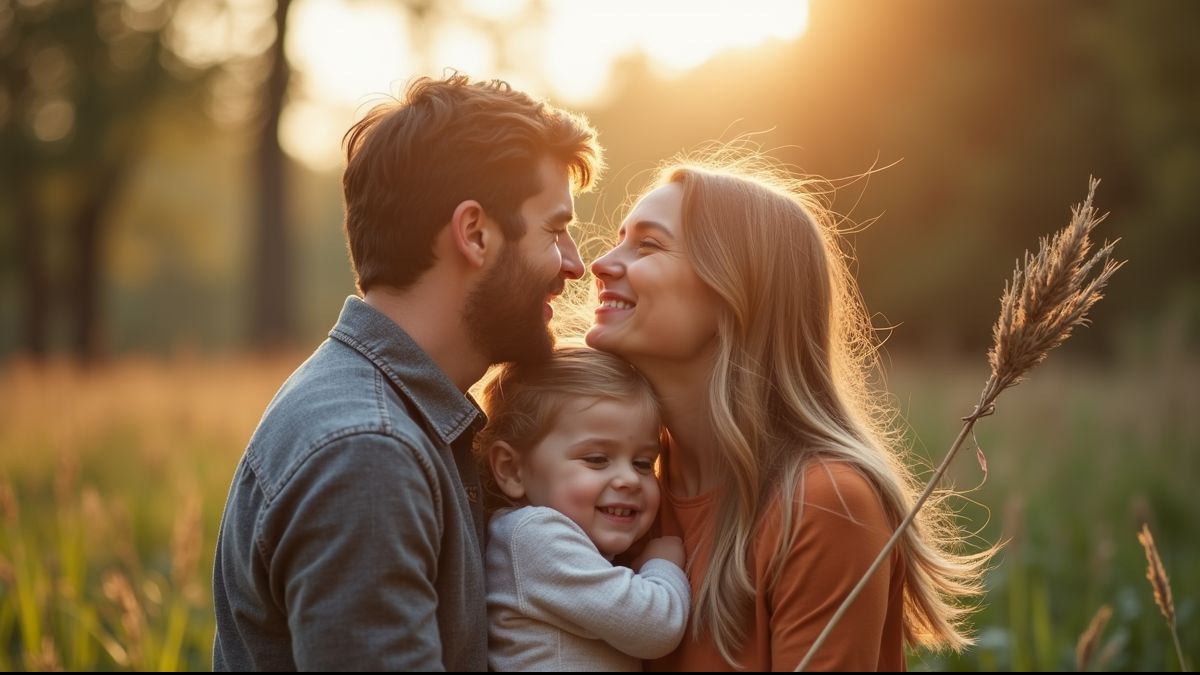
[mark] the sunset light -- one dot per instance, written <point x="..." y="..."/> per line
<point x="757" y="270"/>
<point x="348" y="53"/>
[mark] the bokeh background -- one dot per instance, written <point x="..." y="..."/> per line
<point x="171" y="248"/>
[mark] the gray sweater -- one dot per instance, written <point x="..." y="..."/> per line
<point x="556" y="604"/>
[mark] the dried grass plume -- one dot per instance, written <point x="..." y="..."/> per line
<point x="1050" y="296"/>
<point x="1157" y="574"/>
<point x="1090" y="638"/>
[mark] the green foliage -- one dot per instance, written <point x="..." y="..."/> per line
<point x="80" y="83"/>
<point x="1079" y="458"/>
<point x="116" y="471"/>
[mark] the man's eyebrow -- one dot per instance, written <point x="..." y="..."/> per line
<point x="561" y="217"/>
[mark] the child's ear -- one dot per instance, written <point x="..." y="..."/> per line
<point x="505" y="463"/>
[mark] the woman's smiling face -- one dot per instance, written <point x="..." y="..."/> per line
<point x="653" y="305"/>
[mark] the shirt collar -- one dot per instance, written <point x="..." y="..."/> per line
<point x="446" y="410"/>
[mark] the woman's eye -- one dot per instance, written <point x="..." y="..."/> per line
<point x="648" y="244"/>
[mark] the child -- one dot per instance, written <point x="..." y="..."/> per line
<point x="573" y="443"/>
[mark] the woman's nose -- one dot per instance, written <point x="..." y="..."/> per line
<point x="607" y="266"/>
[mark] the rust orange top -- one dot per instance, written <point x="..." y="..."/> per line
<point x="842" y="528"/>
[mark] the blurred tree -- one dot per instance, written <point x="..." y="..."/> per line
<point x="272" y="309"/>
<point x="80" y="80"/>
<point x="272" y="312"/>
<point x="17" y="189"/>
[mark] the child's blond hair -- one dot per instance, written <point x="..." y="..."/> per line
<point x="523" y="401"/>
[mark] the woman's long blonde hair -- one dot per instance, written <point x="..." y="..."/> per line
<point x="793" y="381"/>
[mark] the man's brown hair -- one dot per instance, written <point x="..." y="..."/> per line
<point x="412" y="162"/>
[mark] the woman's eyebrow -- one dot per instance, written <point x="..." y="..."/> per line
<point x="649" y="225"/>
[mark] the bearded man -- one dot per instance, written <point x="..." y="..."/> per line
<point x="352" y="534"/>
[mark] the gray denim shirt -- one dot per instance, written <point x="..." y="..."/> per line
<point x="352" y="535"/>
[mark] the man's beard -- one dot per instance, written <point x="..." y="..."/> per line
<point x="504" y="312"/>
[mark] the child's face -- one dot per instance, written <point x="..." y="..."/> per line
<point x="596" y="466"/>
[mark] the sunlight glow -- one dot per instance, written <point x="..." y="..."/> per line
<point x="676" y="36"/>
<point x="495" y="9"/>
<point x="345" y="56"/>
<point x="679" y="38"/>
<point x="204" y="33"/>
<point x="463" y="48"/>
<point x="311" y="132"/>
<point x="344" y="52"/>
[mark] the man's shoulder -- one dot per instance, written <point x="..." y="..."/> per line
<point x="336" y="400"/>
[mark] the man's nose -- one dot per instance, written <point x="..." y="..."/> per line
<point x="572" y="264"/>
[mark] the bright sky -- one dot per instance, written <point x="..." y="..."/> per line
<point x="346" y="53"/>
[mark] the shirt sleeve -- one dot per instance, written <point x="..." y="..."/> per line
<point x="357" y="535"/>
<point x="563" y="580"/>
<point x="842" y="528"/>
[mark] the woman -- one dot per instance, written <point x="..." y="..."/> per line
<point x="727" y="290"/>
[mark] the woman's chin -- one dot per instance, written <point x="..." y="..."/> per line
<point x="595" y="337"/>
<point x="601" y="338"/>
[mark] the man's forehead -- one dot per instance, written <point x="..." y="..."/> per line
<point x="556" y="188"/>
<point x="555" y="176"/>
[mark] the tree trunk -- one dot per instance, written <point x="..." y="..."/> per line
<point x="31" y="249"/>
<point x="272" y="318"/>
<point x="86" y="284"/>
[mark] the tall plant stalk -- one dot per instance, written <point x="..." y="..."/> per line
<point x="1161" y="584"/>
<point x="1049" y="295"/>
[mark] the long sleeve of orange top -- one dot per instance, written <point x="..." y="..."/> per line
<point x="842" y="528"/>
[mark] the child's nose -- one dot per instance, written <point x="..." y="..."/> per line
<point x="626" y="477"/>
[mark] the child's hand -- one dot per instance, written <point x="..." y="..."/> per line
<point x="666" y="548"/>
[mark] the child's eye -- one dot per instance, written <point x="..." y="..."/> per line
<point x="596" y="460"/>
<point x="644" y="465"/>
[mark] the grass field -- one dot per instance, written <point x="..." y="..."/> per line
<point x="112" y="483"/>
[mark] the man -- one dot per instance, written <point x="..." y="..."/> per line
<point x="352" y="536"/>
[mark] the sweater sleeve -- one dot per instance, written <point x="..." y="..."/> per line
<point x="563" y="580"/>
<point x="842" y="528"/>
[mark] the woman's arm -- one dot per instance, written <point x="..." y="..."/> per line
<point x="842" y="527"/>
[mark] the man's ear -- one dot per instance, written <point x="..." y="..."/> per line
<point x="473" y="232"/>
<point x="505" y="463"/>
